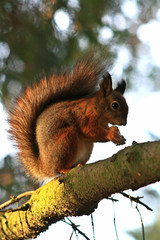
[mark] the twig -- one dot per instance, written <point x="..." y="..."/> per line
<point x="15" y="199"/>
<point x="136" y="199"/>
<point x="112" y="199"/>
<point x="114" y="220"/>
<point x="143" y="233"/>
<point x="71" y="235"/>
<point x="93" y="226"/>
<point x="75" y="227"/>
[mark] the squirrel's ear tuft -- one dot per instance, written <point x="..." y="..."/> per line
<point x="121" y="86"/>
<point x="106" y="85"/>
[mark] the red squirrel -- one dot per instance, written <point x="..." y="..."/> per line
<point x="55" y="122"/>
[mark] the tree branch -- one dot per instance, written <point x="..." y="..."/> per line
<point x="136" y="199"/>
<point x="15" y="199"/>
<point x="78" y="192"/>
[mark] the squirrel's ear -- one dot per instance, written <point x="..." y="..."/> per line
<point x="106" y="85"/>
<point x="121" y="86"/>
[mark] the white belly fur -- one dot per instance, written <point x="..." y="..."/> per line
<point x="84" y="151"/>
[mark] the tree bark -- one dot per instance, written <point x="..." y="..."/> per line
<point x="78" y="192"/>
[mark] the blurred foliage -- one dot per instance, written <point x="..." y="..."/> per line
<point x="13" y="180"/>
<point x="32" y="42"/>
<point x="151" y="232"/>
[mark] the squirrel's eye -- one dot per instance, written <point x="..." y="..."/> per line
<point x="115" y="105"/>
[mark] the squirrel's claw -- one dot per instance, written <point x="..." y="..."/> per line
<point x="122" y="141"/>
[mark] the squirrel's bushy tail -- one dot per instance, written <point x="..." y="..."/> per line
<point x="82" y="81"/>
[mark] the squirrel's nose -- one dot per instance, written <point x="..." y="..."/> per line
<point x="124" y="122"/>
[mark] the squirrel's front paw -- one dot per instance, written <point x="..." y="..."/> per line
<point x="115" y="136"/>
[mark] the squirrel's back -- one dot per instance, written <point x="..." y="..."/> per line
<point x="82" y="81"/>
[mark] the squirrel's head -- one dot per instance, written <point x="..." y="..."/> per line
<point x="115" y="106"/>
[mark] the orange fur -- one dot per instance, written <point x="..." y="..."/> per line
<point x="55" y="122"/>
